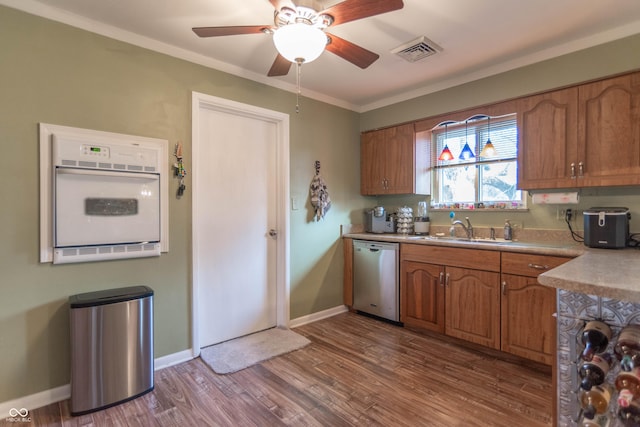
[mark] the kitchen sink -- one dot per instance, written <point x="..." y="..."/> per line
<point x="496" y="241"/>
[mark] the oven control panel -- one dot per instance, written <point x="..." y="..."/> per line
<point x="95" y="151"/>
<point x="72" y="152"/>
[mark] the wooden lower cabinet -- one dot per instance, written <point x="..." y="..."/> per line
<point x="347" y="289"/>
<point x="528" y="325"/>
<point x="461" y="300"/>
<point x="472" y="309"/>
<point x="422" y="295"/>
<point x="490" y="298"/>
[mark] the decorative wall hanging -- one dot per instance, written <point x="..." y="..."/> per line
<point x="320" y="199"/>
<point x="180" y="170"/>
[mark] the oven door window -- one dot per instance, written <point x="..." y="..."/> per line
<point x="104" y="208"/>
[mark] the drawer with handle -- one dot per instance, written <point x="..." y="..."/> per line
<point x="529" y="264"/>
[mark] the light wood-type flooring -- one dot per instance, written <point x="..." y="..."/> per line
<point x="356" y="371"/>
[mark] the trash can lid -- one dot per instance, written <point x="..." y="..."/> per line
<point x="109" y="296"/>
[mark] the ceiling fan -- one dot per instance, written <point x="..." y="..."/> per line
<point x="299" y="31"/>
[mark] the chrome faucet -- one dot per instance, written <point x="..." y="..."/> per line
<point x="467" y="228"/>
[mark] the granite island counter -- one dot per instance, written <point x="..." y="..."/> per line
<point x="611" y="273"/>
<point x="601" y="284"/>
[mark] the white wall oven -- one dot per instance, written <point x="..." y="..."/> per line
<point x="106" y="199"/>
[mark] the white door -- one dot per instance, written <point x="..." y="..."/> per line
<point x="236" y="223"/>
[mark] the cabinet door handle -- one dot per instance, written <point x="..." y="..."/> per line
<point x="441" y="278"/>
<point x="504" y="287"/>
<point x="573" y="171"/>
<point x="538" y="266"/>
<point x="580" y="169"/>
<point x="446" y="281"/>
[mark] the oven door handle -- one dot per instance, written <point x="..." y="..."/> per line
<point x="73" y="171"/>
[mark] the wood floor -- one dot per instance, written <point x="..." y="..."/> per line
<point x="356" y="371"/>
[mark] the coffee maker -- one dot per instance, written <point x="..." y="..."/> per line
<point x="376" y="220"/>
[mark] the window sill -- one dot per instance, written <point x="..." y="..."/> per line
<point x="466" y="207"/>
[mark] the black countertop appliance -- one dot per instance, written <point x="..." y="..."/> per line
<point x="606" y="227"/>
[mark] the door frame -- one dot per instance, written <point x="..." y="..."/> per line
<point x="199" y="102"/>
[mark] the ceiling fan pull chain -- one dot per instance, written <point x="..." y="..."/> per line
<point x="298" y="71"/>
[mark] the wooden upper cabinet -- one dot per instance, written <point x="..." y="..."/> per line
<point x="400" y="162"/>
<point x="372" y="162"/>
<point x="547" y="139"/>
<point x="584" y="136"/>
<point x="393" y="162"/>
<point x="609" y="130"/>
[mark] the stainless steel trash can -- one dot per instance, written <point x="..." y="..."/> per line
<point x="111" y="347"/>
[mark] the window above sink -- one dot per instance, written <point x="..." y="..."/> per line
<point x="475" y="164"/>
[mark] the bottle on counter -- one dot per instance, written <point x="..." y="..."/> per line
<point x="508" y="230"/>
<point x="627" y="348"/>
<point x="628" y="386"/>
<point x="594" y="371"/>
<point x="595" y="338"/>
<point x="595" y="401"/>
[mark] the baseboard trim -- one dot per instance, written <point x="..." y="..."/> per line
<point x="173" y="359"/>
<point x="58" y="394"/>
<point x="314" y="317"/>
<point x="36" y="400"/>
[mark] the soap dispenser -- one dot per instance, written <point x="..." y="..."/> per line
<point x="508" y="231"/>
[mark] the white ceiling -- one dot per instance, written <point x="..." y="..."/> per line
<point x="479" y="38"/>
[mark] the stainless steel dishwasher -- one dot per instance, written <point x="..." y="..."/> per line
<point x="375" y="279"/>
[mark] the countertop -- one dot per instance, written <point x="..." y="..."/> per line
<point x="540" y="247"/>
<point x="609" y="273"/>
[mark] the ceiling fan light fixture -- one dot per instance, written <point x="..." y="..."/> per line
<point x="299" y="42"/>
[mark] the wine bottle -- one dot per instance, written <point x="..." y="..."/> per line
<point x="593" y="372"/>
<point x="595" y="337"/>
<point x="595" y="401"/>
<point x="627" y="348"/>
<point x="601" y="420"/>
<point x="628" y="386"/>
<point x="630" y="415"/>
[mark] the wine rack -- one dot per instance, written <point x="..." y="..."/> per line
<point x="574" y="311"/>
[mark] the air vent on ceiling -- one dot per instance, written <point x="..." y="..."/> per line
<point x="417" y="49"/>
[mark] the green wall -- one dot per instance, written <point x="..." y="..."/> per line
<point x="53" y="73"/>
<point x="600" y="61"/>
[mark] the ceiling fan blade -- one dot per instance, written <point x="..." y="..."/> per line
<point x="279" y="4"/>
<point x="229" y="31"/>
<point x="351" y="10"/>
<point x="351" y="52"/>
<point x="280" y="67"/>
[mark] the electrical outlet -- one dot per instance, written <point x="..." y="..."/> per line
<point x="560" y="214"/>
